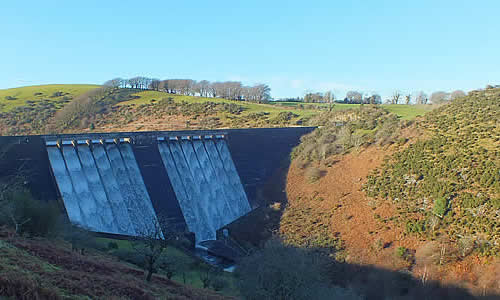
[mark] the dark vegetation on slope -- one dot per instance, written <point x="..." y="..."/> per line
<point x="448" y="183"/>
<point x="42" y="256"/>
<point x="280" y="271"/>
<point x="40" y="268"/>
<point x="341" y="131"/>
<point x="205" y="112"/>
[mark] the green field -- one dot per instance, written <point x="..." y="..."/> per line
<point x="11" y="98"/>
<point x="408" y="112"/>
<point x="405" y="112"/>
<point x="148" y="97"/>
<point x="15" y="97"/>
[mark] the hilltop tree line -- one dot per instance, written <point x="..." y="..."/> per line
<point x="398" y="97"/>
<point x="232" y="90"/>
<point x="352" y="97"/>
<point x="422" y="98"/>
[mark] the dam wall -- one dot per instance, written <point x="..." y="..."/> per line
<point x="119" y="183"/>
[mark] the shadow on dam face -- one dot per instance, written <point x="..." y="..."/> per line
<point x="118" y="183"/>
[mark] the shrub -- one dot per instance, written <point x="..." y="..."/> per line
<point x="29" y="215"/>
<point x="313" y="174"/>
<point x="130" y="256"/>
<point x="218" y="283"/>
<point x="283" y="117"/>
<point x="466" y="245"/>
<point x="283" y="272"/>
<point x="170" y="265"/>
<point x="80" y="238"/>
<point x="440" y="206"/>
<point x="112" y="245"/>
<point x="401" y="251"/>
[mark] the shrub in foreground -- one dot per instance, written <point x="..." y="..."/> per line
<point x="283" y="272"/>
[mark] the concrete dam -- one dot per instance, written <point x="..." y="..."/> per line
<point x="119" y="183"/>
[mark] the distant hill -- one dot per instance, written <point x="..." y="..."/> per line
<point x="67" y="108"/>
<point x="57" y="93"/>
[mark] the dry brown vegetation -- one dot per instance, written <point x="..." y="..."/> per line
<point x="334" y="211"/>
<point x="49" y="269"/>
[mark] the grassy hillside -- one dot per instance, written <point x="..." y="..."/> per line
<point x="52" y="108"/>
<point x="448" y="183"/>
<point x="405" y="112"/>
<point x="27" y="110"/>
<point x="57" y="93"/>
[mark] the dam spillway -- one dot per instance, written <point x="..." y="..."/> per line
<point x="101" y="186"/>
<point x="205" y="181"/>
<point x="119" y="183"/>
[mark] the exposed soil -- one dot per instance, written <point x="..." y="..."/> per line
<point x="369" y="239"/>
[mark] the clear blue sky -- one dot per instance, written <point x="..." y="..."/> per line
<point x="290" y="45"/>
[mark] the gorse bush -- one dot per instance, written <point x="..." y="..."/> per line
<point x="341" y="131"/>
<point x="313" y="174"/>
<point x="453" y="174"/>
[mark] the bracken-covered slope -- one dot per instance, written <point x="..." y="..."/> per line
<point x="39" y="268"/>
<point x="447" y="184"/>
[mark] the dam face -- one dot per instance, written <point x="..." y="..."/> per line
<point x="120" y="183"/>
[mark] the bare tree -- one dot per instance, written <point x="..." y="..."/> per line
<point x="151" y="242"/>
<point x="134" y="82"/>
<point x="374" y="98"/>
<point x="421" y="98"/>
<point x="439" y="97"/>
<point x="114" y="83"/>
<point x="145" y="82"/>
<point x="408" y="99"/>
<point x="313" y="97"/>
<point x="155" y="84"/>
<point x="202" y="88"/>
<point x="457" y="94"/>
<point x="354" y="97"/>
<point x="263" y="93"/>
<point x="233" y="90"/>
<point x="395" y="97"/>
<point x="330" y="99"/>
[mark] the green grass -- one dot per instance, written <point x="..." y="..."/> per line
<point x="405" y="112"/>
<point x="146" y="97"/>
<point x="27" y="93"/>
<point x="408" y="112"/>
<point x="337" y="106"/>
<point x="193" y="269"/>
